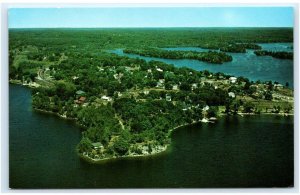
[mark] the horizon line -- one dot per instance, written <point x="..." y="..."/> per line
<point x="156" y="27"/>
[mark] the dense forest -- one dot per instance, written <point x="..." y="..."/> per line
<point x="129" y="106"/>
<point x="275" y="54"/>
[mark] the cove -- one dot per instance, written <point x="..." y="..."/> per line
<point x="250" y="151"/>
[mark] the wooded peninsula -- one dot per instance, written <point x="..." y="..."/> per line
<point x="129" y="107"/>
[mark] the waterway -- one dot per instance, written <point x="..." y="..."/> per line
<point x="264" y="68"/>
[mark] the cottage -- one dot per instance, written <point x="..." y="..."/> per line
<point x="81" y="100"/>
<point x="232" y="79"/>
<point x="205" y="108"/>
<point x="168" y="98"/>
<point x="159" y="70"/>
<point x="97" y="145"/>
<point x="106" y="98"/>
<point x="175" y="87"/>
<point x="231" y="94"/>
<point x="278" y="86"/>
<point x="194" y="86"/>
<point x="146" y="92"/>
<point x="160" y="83"/>
<point x="80" y="92"/>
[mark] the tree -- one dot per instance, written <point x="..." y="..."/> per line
<point x="121" y="146"/>
<point x="185" y="87"/>
<point x="84" y="145"/>
<point x="249" y="107"/>
<point x="268" y="95"/>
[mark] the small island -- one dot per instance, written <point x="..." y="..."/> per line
<point x="210" y="56"/>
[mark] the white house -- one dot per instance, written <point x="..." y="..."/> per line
<point x="175" y="87"/>
<point x="168" y="98"/>
<point x="106" y="98"/>
<point x="205" y="108"/>
<point x="232" y="79"/>
<point x="194" y="86"/>
<point x="159" y="70"/>
<point x="231" y="94"/>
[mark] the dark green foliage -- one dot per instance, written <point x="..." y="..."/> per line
<point x="275" y="54"/>
<point x="248" y="107"/>
<point x="211" y="56"/>
<point x="268" y="95"/>
<point x="121" y="146"/>
<point x="78" y="60"/>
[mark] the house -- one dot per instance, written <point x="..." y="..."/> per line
<point x="146" y="92"/>
<point x="231" y="94"/>
<point x="160" y="83"/>
<point x="175" y="87"/>
<point x="232" y="79"/>
<point x="81" y="100"/>
<point x="80" y="92"/>
<point x="194" y="86"/>
<point x="97" y="145"/>
<point x="168" y="98"/>
<point x="106" y="98"/>
<point x="278" y="86"/>
<point x="205" y="108"/>
<point x="159" y="70"/>
<point x="119" y="94"/>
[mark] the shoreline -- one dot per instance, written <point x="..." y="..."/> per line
<point x="163" y="148"/>
<point x="93" y="160"/>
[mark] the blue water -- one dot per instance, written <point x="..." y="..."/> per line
<point x="250" y="151"/>
<point x="264" y="68"/>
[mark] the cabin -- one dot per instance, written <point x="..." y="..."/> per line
<point x="159" y="70"/>
<point x="175" y="87"/>
<point x="278" y="86"/>
<point x="106" y="98"/>
<point x="97" y="145"/>
<point x="168" y="98"/>
<point x="231" y="94"/>
<point x="194" y="86"/>
<point x="232" y="79"/>
<point x="80" y="92"/>
<point x="205" y="108"/>
<point x="160" y="83"/>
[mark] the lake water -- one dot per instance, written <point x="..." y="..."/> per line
<point x="250" y="151"/>
<point x="264" y="68"/>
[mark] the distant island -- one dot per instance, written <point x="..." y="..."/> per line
<point x="210" y="56"/>
<point x="128" y="106"/>
<point x="275" y="54"/>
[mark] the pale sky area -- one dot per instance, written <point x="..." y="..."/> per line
<point x="151" y="17"/>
